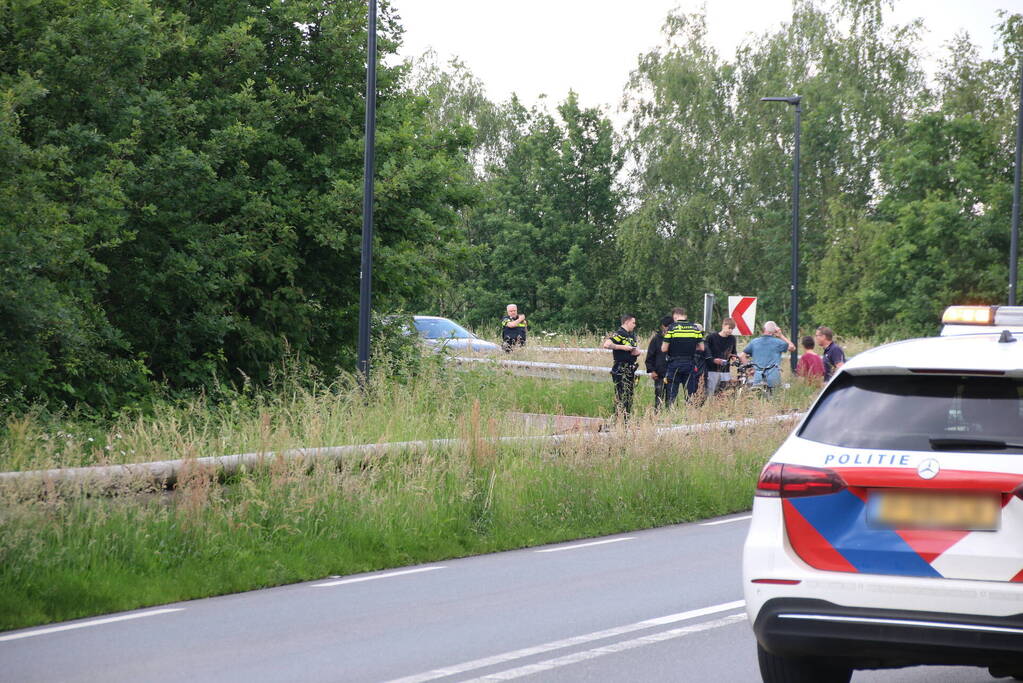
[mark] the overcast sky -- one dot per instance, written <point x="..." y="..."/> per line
<point x="534" y="47"/>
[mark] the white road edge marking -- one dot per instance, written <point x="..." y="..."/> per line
<point x="611" y="649"/>
<point x="568" y="642"/>
<point x="374" y="577"/>
<point x="584" y="545"/>
<point x="92" y="622"/>
<point x="727" y="521"/>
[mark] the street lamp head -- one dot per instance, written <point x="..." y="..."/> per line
<point x="795" y="99"/>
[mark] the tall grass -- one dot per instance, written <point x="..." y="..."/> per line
<point x="68" y="552"/>
<point x="64" y="557"/>
<point x="295" y="414"/>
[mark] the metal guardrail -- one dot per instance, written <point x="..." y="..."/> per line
<point x="165" y="473"/>
<point x="543" y="369"/>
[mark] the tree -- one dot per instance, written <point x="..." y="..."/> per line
<point x="939" y="234"/>
<point x="546" y="227"/>
<point x="457" y="98"/>
<point x="219" y="147"/>
<point x="713" y="163"/>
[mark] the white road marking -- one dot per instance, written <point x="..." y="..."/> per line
<point x="92" y="622"/>
<point x="585" y="655"/>
<point x="584" y="545"/>
<point x="693" y="613"/>
<point x="568" y="642"/>
<point x="727" y="521"/>
<point x="374" y="577"/>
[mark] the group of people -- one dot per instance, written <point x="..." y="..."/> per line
<point x="674" y="360"/>
<point x="822" y="367"/>
<point x="680" y="357"/>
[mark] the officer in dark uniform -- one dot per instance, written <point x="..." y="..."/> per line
<point x="682" y="342"/>
<point x="624" y="348"/>
<point x="657" y="362"/>
<point x="513" y="328"/>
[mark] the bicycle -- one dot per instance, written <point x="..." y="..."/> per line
<point x="745" y="380"/>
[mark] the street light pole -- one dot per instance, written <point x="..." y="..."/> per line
<point x="1014" y="240"/>
<point x="366" y="271"/>
<point x="795" y="100"/>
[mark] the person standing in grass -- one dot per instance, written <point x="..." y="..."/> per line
<point x="765" y="352"/>
<point x="682" y="342"/>
<point x="624" y="350"/>
<point x="720" y="349"/>
<point x="513" y="328"/>
<point x="834" y="356"/>
<point x="657" y="362"/>
<point x="810" y="367"/>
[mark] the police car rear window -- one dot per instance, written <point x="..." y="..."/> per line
<point x="920" y="413"/>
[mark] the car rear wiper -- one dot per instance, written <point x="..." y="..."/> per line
<point x="952" y="444"/>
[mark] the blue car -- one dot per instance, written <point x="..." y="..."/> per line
<point x="441" y="333"/>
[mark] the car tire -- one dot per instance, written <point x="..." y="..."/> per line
<point x="1001" y="671"/>
<point x="775" y="669"/>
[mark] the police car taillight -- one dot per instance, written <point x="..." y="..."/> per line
<point x="778" y="480"/>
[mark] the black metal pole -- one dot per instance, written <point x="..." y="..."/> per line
<point x="366" y="272"/>
<point x="797" y="101"/>
<point x="793" y="357"/>
<point x="1014" y="241"/>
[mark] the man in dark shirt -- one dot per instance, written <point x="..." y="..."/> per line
<point x="624" y="349"/>
<point x="657" y="362"/>
<point x="513" y="328"/>
<point x="682" y="341"/>
<point x="720" y="349"/>
<point x="834" y="356"/>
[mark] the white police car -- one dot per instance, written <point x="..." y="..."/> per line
<point x="887" y="529"/>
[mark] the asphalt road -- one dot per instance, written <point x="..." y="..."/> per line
<point x="658" y="605"/>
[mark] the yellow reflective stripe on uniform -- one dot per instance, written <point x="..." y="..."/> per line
<point x="692" y="333"/>
<point x="618" y="339"/>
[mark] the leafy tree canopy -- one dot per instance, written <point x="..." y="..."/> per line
<point x="183" y="190"/>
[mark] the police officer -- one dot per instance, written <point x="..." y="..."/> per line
<point x="624" y="349"/>
<point x="513" y="328"/>
<point x="682" y="342"/>
<point x="657" y="362"/>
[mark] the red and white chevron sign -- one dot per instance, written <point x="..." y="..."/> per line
<point x="743" y="310"/>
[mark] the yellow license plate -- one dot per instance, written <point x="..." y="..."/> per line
<point x="950" y="510"/>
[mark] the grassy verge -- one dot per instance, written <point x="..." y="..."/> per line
<point x="64" y="557"/>
<point x="432" y="406"/>
<point x="66" y="553"/>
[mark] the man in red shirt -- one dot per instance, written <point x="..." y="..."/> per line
<point x="810" y="365"/>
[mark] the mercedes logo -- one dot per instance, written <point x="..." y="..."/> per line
<point x="928" y="469"/>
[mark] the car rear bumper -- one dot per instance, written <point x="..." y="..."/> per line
<point x="877" y="638"/>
